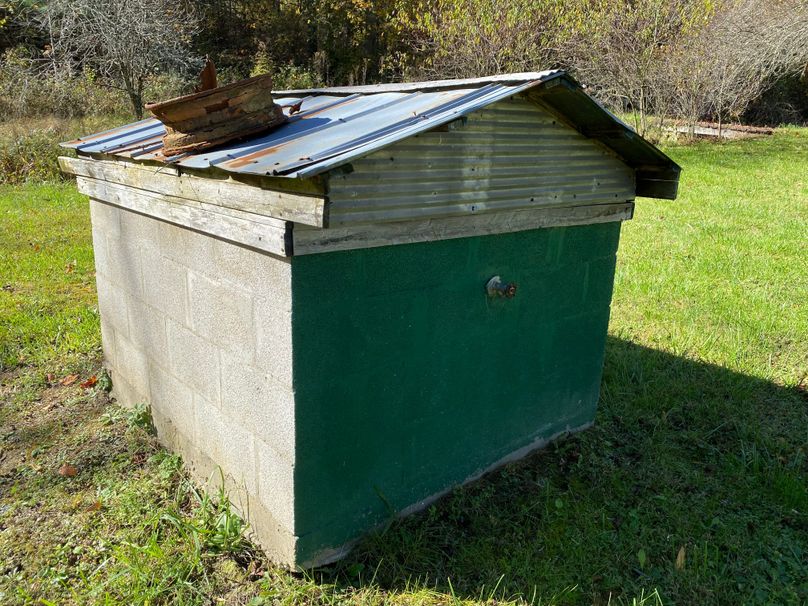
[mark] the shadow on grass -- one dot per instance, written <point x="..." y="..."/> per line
<point x="687" y="461"/>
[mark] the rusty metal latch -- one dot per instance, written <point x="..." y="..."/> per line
<point x="495" y="287"/>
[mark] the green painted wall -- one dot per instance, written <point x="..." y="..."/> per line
<point x="408" y="379"/>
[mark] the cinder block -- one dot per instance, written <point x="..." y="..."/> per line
<point x="166" y="430"/>
<point x="259" y="403"/>
<point x="108" y="342"/>
<point x="276" y="484"/>
<point x="222" y="314"/>
<point x="123" y="265"/>
<point x="124" y="393"/>
<point x="228" y="444"/>
<point x="131" y="362"/>
<point x="252" y="270"/>
<point x="600" y="281"/>
<point x="165" y="285"/>
<point x="194" y="361"/>
<point x="147" y="330"/>
<point x="557" y="292"/>
<point x="278" y="542"/>
<point x="112" y="305"/>
<point x="273" y="338"/>
<point x="138" y="230"/>
<point x="105" y="218"/>
<point x="186" y="247"/>
<point x="100" y="253"/>
<point x="172" y="399"/>
<point x="586" y="242"/>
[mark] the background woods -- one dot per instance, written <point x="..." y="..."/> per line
<point x="692" y="486"/>
<point x="687" y="59"/>
<point x="68" y="67"/>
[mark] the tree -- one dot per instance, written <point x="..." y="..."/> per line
<point x="628" y="56"/>
<point x="466" y="38"/>
<point x="745" y="47"/>
<point x="124" y="42"/>
<point x="756" y="42"/>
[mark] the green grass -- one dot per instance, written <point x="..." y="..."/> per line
<point x="700" y="446"/>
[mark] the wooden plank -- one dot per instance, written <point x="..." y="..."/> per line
<point x="657" y="188"/>
<point x="267" y="234"/>
<point x="310" y="241"/>
<point x="228" y="193"/>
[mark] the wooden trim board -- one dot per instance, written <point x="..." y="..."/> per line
<point x="263" y="233"/>
<point x="309" y="241"/>
<point x="228" y="210"/>
<point x="168" y="180"/>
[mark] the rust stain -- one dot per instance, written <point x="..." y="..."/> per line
<point x="267" y="151"/>
<point x="253" y="157"/>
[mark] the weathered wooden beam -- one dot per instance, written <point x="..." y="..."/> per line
<point x="257" y="231"/>
<point x="309" y="241"/>
<point x="657" y="188"/>
<point x="168" y="180"/>
<point x="658" y="182"/>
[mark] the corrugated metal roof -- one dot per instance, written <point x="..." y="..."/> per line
<point x="336" y="125"/>
<point x="329" y="129"/>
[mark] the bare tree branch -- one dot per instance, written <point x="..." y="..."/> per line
<point x="124" y="42"/>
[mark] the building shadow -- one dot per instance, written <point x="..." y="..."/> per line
<point x="692" y="481"/>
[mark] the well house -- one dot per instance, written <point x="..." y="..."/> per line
<point x="400" y="288"/>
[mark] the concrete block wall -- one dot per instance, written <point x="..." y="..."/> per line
<point x="200" y="329"/>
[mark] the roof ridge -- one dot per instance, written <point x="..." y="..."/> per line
<point x="369" y="89"/>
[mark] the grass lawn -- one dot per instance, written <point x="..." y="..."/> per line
<point x="692" y="488"/>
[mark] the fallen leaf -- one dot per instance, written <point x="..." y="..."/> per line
<point x="94" y="506"/>
<point x="67" y="470"/>
<point x="680" y="558"/>
<point x="50" y="378"/>
<point x="90" y="382"/>
<point x="69" y="380"/>
<point x="37" y="247"/>
<point x="70" y="267"/>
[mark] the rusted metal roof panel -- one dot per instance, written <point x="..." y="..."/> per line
<point x="327" y="131"/>
<point x="337" y="125"/>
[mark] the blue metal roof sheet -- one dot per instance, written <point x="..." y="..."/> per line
<point x="336" y="125"/>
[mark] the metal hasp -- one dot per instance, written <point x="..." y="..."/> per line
<point x="495" y="287"/>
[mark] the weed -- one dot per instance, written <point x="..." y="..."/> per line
<point x="29" y="149"/>
<point x="140" y="416"/>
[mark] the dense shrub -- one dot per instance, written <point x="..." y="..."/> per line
<point x="29" y="157"/>
<point x="27" y="89"/>
<point x="284" y="76"/>
<point x="784" y="103"/>
<point x="29" y="148"/>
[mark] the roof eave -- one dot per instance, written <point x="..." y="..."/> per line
<point x="657" y="176"/>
